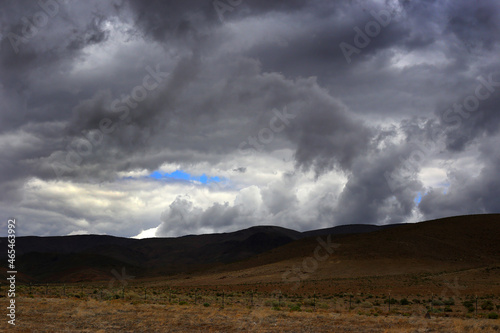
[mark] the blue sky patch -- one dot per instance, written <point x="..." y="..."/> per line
<point x="182" y="175"/>
<point x="418" y="198"/>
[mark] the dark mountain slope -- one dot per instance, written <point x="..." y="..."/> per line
<point x="465" y="240"/>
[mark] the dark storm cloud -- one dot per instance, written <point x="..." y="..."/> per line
<point x="469" y="192"/>
<point x="93" y="34"/>
<point x="29" y="43"/>
<point x="324" y="133"/>
<point x="475" y="114"/>
<point x="377" y="191"/>
<point x="219" y="84"/>
<point x="192" y="19"/>
<point x="475" y="24"/>
<point x="172" y="19"/>
<point x="28" y="55"/>
<point x="315" y="49"/>
<point x="31" y="49"/>
<point x="327" y="136"/>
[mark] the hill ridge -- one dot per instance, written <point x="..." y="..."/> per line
<point x="53" y="257"/>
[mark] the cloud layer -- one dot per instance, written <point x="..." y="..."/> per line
<point x="311" y="114"/>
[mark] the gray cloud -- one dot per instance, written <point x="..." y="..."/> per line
<point x="219" y="84"/>
<point x="470" y="191"/>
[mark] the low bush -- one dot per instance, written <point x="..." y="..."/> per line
<point x="392" y="300"/>
<point x="366" y="305"/>
<point x="323" y="306"/>
<point x="493" y="315"/>
<point x="449" y="302"/>
<point x="488" y="305"/>
<point x="404" y="301"/>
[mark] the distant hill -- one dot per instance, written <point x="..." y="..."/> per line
<point x="455" y="244"/>
<point x="70" y="258"/>
<point x="348" y="229"/>
<point x="264" y="250"/>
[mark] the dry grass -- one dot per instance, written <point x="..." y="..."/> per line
<point x="89" y="315"/>
<point x="433" y="263"/>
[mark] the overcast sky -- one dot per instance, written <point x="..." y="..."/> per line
<point x="166" y="118"/>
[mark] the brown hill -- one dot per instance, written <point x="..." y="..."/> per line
<point x="93" y="257"/>
<point x="455" y="244"/>
<point x="271" y="254"/>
